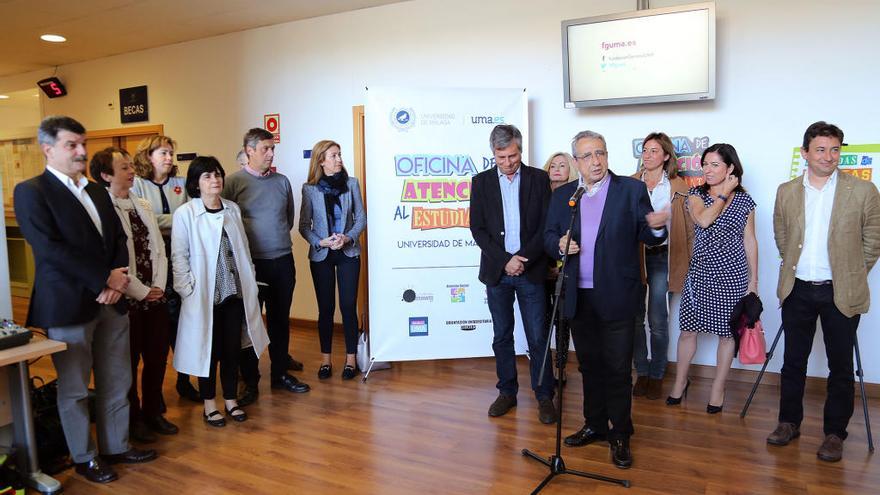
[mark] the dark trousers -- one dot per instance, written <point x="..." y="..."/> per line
<point x="337" y="268"/>
<point x="799" y="312"/>
<point x="149" y="339"/>
<point x="279" y="277"/>
<point x="604" y="350"/>
<point x="225" y="347"/>
<point x="531" y="298"/>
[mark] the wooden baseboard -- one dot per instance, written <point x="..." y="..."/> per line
<point x="814" y="384"/>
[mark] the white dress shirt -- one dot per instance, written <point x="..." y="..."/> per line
<point x="510" y="203"/>
<point x="661" y="198"/>
<point x="591" y="191"/>
<point x="78" y="189"/>
<point x="814" y="265"/>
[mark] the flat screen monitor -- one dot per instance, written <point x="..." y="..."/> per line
<point x="646" y="56"/>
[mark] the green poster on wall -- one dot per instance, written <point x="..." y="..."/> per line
<point x="855" y="159"/>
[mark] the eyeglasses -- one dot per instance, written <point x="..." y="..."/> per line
<point x="600" y="154"/>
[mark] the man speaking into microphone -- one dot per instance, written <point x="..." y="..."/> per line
<point x="613" y="214"/>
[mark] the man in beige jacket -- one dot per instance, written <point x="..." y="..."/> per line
<point x="827" y="229"/>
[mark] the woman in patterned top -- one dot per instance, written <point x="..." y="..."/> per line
<point x="148" y="314"/>
<point x="214" y="275"/>
<point x="723" y="268"/>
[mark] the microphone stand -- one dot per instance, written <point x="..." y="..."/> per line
<point x="555" y="462"/>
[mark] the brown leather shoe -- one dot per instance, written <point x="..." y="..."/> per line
<point x="641" y="386"/>
<point x="783" y="434"/>
<point x="546" y="411"/>
<point x="655" y="389"/>
<point x="501" y="405"/>
<point x="97" y="471"/>
<point x="831" y="449"/>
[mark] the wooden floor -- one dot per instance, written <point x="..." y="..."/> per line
<point x="422" y="428"/>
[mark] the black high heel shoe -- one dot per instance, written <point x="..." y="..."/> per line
<point x="674" y="401"/>
<point x="714" y="409"/>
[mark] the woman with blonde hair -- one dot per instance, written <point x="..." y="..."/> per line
<point x="663" y="267"/>
<point x="332" y="218"/>
<point x="560" y="167"/>
<point x="158" y="183"/>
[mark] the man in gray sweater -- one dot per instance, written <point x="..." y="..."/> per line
<point x="266" y="201"/>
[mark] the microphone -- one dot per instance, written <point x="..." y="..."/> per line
<point x="576" y="196"/>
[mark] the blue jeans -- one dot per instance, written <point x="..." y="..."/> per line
<point x="657" y="266"/>
<point x="531" y="306"/>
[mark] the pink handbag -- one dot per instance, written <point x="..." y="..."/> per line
<point x="752" y="348"/>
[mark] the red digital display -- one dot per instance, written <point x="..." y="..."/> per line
<point x="52" y="86"/>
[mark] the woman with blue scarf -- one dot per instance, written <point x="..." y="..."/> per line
<point x="331" y="220"/>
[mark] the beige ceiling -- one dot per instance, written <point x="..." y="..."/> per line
<point x="99" y="28"/>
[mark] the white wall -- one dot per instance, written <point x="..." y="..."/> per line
<point x="781" y="66"/>
<point x="20" y="114"/>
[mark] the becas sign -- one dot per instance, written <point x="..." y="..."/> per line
<point x="133" y="105"/>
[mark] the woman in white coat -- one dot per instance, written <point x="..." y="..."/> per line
<point x="214" y="276"/>
<point x="148" y="314"/>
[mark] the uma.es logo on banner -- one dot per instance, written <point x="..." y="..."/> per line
<point x="487" y="119"/>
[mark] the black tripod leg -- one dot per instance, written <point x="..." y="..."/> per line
<point x="861" y="376"/>
<point x="529" y="453"/>
<point x="623" y="483"/>
<point x="543" y="483"/>
<point x="769" y="356"/>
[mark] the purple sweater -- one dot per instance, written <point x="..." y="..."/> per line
<point x="591" y="216"/>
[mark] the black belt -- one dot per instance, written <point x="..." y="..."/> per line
<point x="815" y="282"/>
<point x="657" y="249"/>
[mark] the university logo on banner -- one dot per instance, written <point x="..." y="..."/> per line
<point x="403" y="119"/>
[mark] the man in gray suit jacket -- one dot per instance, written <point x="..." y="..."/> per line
<point x="81" y="273"/>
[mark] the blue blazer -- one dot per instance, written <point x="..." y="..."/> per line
<point x="313" y="224"/>
<point x="616" y="265"/>
<point x="73" y="259"/>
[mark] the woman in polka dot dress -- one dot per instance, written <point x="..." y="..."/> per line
<point x="723" y="267"/>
